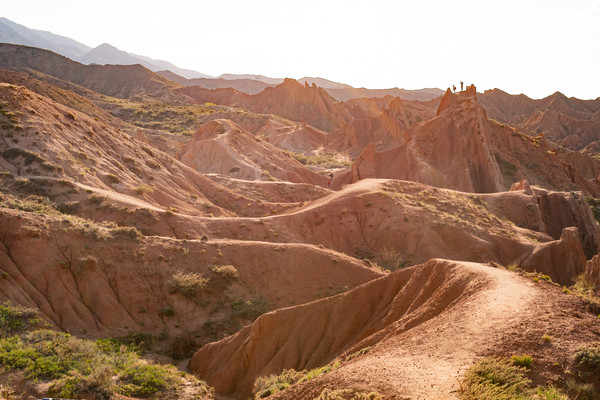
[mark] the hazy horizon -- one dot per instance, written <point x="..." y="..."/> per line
<point x="516" y="46"/>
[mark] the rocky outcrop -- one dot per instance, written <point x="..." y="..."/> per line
<point x="521" y="185"/>
<point x="462" y="149"/>
<point x="563" y="260"/>
<point x="290" y="99"/>
<point x="385" y="130"/>
<point x="592" y="270"/>
<point x="548" y="212"/>
<point x="569" y="122"/>
<point x="222" y="147"/>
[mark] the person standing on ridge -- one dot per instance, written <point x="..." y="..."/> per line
<point x="453" y="88"/>
<point x="461" y="86"/>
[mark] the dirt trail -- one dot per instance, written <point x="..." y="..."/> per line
<point x="428" y="360"/>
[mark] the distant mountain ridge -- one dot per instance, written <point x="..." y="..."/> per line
<point x="13" y="33"/>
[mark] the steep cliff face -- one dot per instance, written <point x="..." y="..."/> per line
<point x="290" y="99"/>
<point x="385" y="130"/>
<point x="303" y="103"/>
<point x="563" y="260"/>
<point x="570" y="122"/>
<point x="462" y="149"/>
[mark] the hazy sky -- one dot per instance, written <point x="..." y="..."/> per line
<point x="520" y="46"/>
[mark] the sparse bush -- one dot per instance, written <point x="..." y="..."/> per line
<point x="88" y="261"/>
<point x="112" y="178"/>
<point x="546" y="338"/>
<point x="32" y="203"/>
<point x="28" y="156"/>
<point x="96" y="199"/>
<point x="126" y="232"/>
<point x="584" y="391"/>
<point x="347" y="394"/>
<point x="182" y="347"/>
<point x="167" y="312"/>
<point x="548" y="393"/>
<point x="265" y="386"/>
<point x="583" y="284"/>
<point x="227" y="272"/>
<point x="17" y="319"/>
<point x="588" y="358"/>
<point x="522" y="361"/>
<point x="391" y="260"/>
<point x="82" y="368"/>
<point x="493" y="378"/>
<point x="188" y="285"/>
<point x="141" y="380"/>
<point x="249" y="309"/>
<point x="141" y="189"/>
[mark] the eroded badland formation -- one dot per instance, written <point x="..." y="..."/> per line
<point x="385" y="245"/>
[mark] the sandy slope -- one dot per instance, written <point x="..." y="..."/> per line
<point x="425" y="325"/>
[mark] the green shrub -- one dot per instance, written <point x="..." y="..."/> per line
<point x="346" y="394"/>
<point x="265" y="386"/>
<point x="589" y="358"/>
<point x="522" y="361"/>
<point x="549" y="393"/>
<point x="188" y="285"/>
<point x="17" y="319"/>
<point x="595" y="206"/>
<point x="493" y="378"/>
<point x="167" y="312"/>
<point x="249" y="309"/>
<point x="583" y="284"/>
<point x="146" y="379"/>
<point x="72" y="385"/>
<point x="83" y="368"/>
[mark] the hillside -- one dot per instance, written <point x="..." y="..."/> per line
<point x="112" y="80"/>
<point x="570" y="122"/>
<point x="462" y="149"/>
<point x="221" y="147"/>
<point x="385" y="130"/>
<point x="290" y="99"/>
<point x="285" y="245"/>
<point x="411" y="334"/>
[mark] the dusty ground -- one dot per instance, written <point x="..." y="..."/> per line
<point x="424" y="353"/>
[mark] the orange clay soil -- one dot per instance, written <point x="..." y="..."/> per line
<point x="424" y="325"/>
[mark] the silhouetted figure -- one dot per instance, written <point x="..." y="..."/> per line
<point x="461" y="86"/>
<point x="330" y="178"/>
<point x="453" y="89"/>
